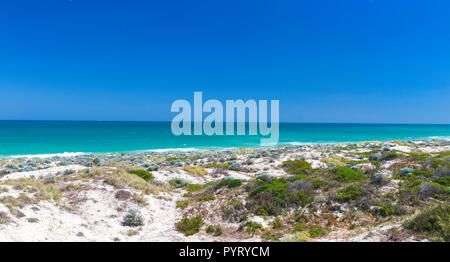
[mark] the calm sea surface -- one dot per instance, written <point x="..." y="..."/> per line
<point x="51" y="137"/>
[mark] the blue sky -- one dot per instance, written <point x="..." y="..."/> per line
<point x="326" y="61"/>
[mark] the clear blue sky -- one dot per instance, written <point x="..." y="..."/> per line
<point x="326" y="61"/>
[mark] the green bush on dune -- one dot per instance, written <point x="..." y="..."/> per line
<point x="346" y="174"/>
<point x="433" y="222"/>
<point x="349" y="193"/>
<point x="144" y="174"/>
<point x="189" y="226"/>
<point x="297" y="167"/>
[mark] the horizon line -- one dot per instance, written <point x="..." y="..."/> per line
<point x="168" y="121"/>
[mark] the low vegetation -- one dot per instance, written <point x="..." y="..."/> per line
<point x="189" y="226"/>
<point x="144" y="174"/>
<point x="434" y="222"/>
<point x="195" y="170"/>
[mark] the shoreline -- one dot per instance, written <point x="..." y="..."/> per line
<point x="191" y="149"/>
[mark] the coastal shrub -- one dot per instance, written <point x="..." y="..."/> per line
<point x="419" y="156"/>
<point x="440" y="164"/>
<point x="132" y="219"/>
<point x="276" y="223"/>
<point x="389" y="209"/>
<point x="444" y="154"/>
<point x="421" y="173"/>
<point x="297" y="167"/>
<point x="269" y="195"/>
<point x="317" y="231"/>
<point x="250" y="226"/>
<point x="189" y="226"/>
<point x="152" y="167"/>
<point x="194" y="187"/>
<point x="433" y="222"/>
<point x="299" y="226"/>
<point x="345" y="174"/>
<point x="429" y="189"/>
<point x="269" y="236"/>
<point x="405" y="171"/>
<point x="379" y="179"/>
<point x="182" y="204"/>
<point x="144" y="174"/>
<point x="234" y="211"/>
<point x="389" y="156"/>
<point x="318" y="183"/>
<point x="195" y="170"/>
<point x="206" y="198"/>
<point x="303" y="198"/>
<point x="215" y="230"/>
<point x="299" y="237"/>
<point x="444" y="181"/>
<point x="178" y="182"/>
<point x="351" y="192"/>
<point x="234" y="165"/>
<point x="229" y="183"/>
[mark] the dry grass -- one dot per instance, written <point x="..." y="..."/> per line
<point x="119" y="178"/>
<point x="15" y="203"/>
<point x="140" y="199"/>
<point x="41" y="190"/>
<point x="195" y="170"/>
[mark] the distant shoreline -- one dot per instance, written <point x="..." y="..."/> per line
<point x="186" y="150"/>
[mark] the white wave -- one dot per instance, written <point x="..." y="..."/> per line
<point x="65" y="154"/>
<point x="447" y="138"/>
<point x="171" y="150"/>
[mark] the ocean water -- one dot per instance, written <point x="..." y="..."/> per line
<point x="55" y="137"/>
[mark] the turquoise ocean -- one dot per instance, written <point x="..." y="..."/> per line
<point x="55" y="137"/>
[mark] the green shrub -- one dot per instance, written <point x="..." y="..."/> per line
<point x="440" y="164"/>
<point x="270" y="195"/>
<point x="300" y="227"/>
<point x="317" y="183"/>
<point x="251" y="226"/>
<point x="215" y="230"/>
<point x="194" y="187"/>
<point x="182" y="204"/>
<point x="268" y="236"/>
<point x="317" y="231"/>
<point x="189" y="226"/>
<point x="304" y="198"/>
<point x="230" y="183"/>
<point x="132" y="219"/>
<point x="444" y="181"/>
<point x="419" y="156"/>
<point x="421" y="173"/>
<point x="277" y="223"/>
<point x="144" y="174"/>
<point x="178" y="182"/>
<point x="389" y="209"/>
<point x="433" y="222"/>
<point x="390" y="156"/>
<point x="297" y="167"/>
<point x="206" y="198"/>
<point x="345" y="174"/>
<point x="351" y="192"/>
